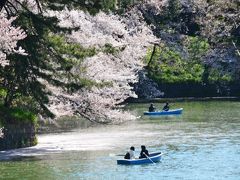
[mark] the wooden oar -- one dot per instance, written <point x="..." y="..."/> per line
<point x="148" y="158"/>
<point x="111" y="155"/>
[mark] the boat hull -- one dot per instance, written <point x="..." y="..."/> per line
<point x="170" y="112"/>
<point x="155" y="157"/>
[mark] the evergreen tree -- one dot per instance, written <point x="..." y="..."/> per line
<point x="49" y="60"/>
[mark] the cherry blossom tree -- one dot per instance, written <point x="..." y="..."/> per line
<point x="9" y="36"/>
<point x="120" y="43"/>
<point x="129" y="37"/>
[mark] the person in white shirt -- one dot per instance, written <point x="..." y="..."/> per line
<point x="130" y="154"/>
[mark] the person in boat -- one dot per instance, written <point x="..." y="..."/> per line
<point x="151" y="108"/>
<point x="166" y="107"/>
<point x="144" y="152"/>
<point x="130" y="154"/>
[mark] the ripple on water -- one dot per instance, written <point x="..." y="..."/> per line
<point x="199" y="145"/>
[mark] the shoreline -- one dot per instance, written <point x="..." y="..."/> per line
<point x="181" y="99"/>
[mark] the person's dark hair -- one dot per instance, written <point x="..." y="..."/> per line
<point x="143" y="147"/>
<point x="132" y="148"/>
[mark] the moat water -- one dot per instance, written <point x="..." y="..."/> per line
<point x="202" y="143"/>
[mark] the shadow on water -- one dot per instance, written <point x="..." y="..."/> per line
<point x="20" y="154"/>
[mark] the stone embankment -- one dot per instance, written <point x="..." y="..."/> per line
<point x="17" y="135"/>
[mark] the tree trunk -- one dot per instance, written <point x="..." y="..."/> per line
<point x="153" y="52"/>
<point x="8" y="99"/>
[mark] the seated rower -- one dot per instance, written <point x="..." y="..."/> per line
<point x="166" y="107"/>
<point x="144" y="152"/>
<point x="151" y="108"/>
<point x="130" y="154"/>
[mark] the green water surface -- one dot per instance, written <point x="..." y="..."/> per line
<point x="202" y="143"/>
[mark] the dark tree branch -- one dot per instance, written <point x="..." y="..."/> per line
<point x="155" y="44"/>
<point x="2" y="4"/>
<point x="22" y="5"/>
<point x="237" y="50"/>
<point x="153" y="52"/>
<point x="8" y="13"/>
<point x="39" y="6"/>
<point x="10" y="4"/>
<point x="9" y="9"/>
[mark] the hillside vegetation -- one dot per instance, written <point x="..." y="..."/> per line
<point x="198" y="54"/>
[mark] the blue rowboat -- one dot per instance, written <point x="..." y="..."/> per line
<point x="155" y="157"/>
<point x="169" y="112"/>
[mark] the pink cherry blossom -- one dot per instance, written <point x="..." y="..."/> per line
<point x="9" y="36"/>
<point x="131" y="37"/>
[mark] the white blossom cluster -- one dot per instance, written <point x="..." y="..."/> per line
<point x="130" y="37"/>
<point x="9" y="36"/>
<point x="155" y="6"/>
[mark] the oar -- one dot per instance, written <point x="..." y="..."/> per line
<point x="148" y="158"/>
<point x="111" y="155"/>
<point x="120" y="155"/>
